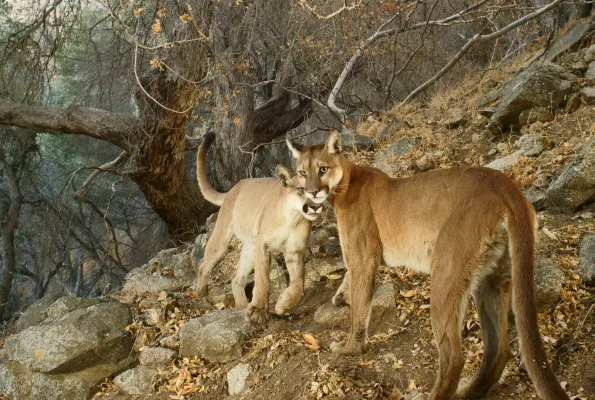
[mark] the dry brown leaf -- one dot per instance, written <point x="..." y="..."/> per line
<point x="313" y="347"/>
<point x="409" y="294"/>
<point x="310" y="339"/>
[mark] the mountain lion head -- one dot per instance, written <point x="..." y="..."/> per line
<point x="318" y="168"/>
<point x="309" y="209"/>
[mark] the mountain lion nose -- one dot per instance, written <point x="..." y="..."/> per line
<point x="314" y="193"/>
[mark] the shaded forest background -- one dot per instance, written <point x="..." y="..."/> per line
<point x="103" y="103"/>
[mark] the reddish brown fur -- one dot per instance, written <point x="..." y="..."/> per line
<point x="467" y="227"/>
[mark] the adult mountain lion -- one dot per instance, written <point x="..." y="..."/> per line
<point x="470" y="228"/>
<point x="263" y="214"/>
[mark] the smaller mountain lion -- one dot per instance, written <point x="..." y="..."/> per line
<point x="264" y="214"/>
<point x="470" y="228"/>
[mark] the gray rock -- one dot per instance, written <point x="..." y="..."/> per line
<point x="156" y="356"/>
<point x="490" y="97"/>
<point x="548" y="281"/>
<point x="529" y="145"/>
<point x="537" y="198"/>
<point x="21" y="383"/>
<point x="590" y="72"/>
<point x="569" y="40"/>
<point x="588" y="94"/>
<point x="136" y="381"/>
<point x="198" y="250"/>
<point x="36" y="312"/>
<point x="332" y="247"/>
<point x="590" y="54"/>
<point x="216" y="336"/>
<point x="237" y="378"/>
<point x="317" y="268"/>
<point x="424" y="163"/>
<point x="169" y="270"/>
<point x="543" y="181"/>
<point x="396" y="149"/>
<point x="537" y="114"/>
<point x="587" y="258"/>
<point x="68" y="304"/>
<point x="211" y="221"/>
<point x="537" y="86"/>
<point x="353" y="141"/>
<point x="330" y="315"/>
<point x="576" y="185"/>
<point x="574" y="102"/>
<point x="172" y="341"/>
<point x="82" y="338"/>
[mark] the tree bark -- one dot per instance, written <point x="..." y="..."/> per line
<point x="8" y="226"/>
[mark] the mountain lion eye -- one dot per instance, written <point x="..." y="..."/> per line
<point x="303" y="173"/>
<point x="323" y="170"/>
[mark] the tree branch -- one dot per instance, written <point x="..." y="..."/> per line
<point x="476" y="39"/>
<point x="380" y="33"/>
<point x="100" y="124"/>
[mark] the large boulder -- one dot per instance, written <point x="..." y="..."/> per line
<point x="587" y="258"/>
<point x="216" y="336"/>
<point x="540" y="85"/>
<point x="21" y="383"/>
<point x="79" y="339"/>
<point x="576" y="185"/>
<point x="169" y="270"/>
<point x="36" y="312"/>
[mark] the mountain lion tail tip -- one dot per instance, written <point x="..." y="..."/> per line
<point x="208" y="138"/>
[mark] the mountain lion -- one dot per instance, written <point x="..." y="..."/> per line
<point x="263" y="214"/>
<point x="470" y="228"/>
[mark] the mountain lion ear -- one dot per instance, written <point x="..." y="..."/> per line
<point x="333" y="143"/>
<point x="296" y="149"/>
<point x="283" y="174"/>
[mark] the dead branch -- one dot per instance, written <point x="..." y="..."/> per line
<point x="382" y="32"/>
<point x="312" y="10"/>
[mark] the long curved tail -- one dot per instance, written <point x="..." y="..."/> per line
<point x="206" y="189"/>
<point x="521" y="230"/>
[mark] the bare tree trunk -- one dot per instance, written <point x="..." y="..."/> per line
<point x="8" y="225"/>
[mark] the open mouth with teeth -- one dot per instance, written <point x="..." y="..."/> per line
<point x="312" y="211"/>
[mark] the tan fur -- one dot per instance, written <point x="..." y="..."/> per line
<point x="470" y="228"/>
<point x="264" y="214"/>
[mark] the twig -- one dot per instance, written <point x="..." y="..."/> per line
<point x="312" y="10"/>
<point x="147" y="93"/>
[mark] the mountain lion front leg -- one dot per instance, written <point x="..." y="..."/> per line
<point x="258" y="309"/>
<point x="342" y="297"/>
<point x="293" y="293"/>
<point x="362" y="273"/>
